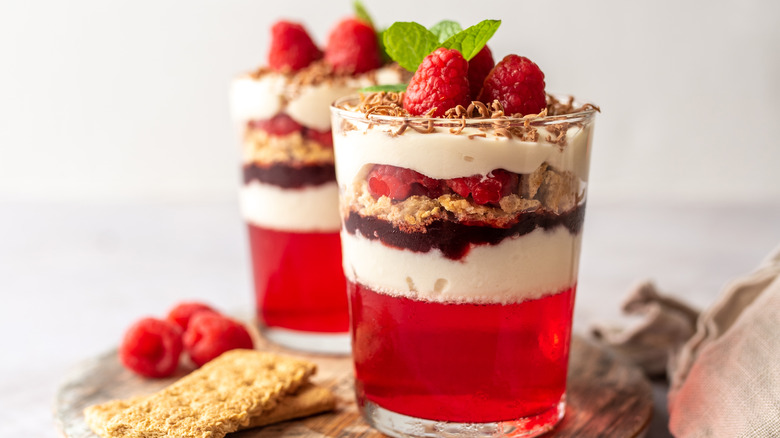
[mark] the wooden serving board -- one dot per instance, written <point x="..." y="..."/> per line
<point x="605" y="397"/>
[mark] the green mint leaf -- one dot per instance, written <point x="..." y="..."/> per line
<point x="470" y="41"/>
<point x="408" y="43"/>
<point x="395" y="88"/>
<point x="362" y="13"/>
<point x="445" y="29"/>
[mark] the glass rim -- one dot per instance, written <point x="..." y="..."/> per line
<point x="584" y="116"/>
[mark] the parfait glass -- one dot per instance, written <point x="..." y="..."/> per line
<point x="461" y="242"/>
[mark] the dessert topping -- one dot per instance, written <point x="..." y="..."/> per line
<point x="479" y="67"/>
<point x="291" y="47"/>
<point x="440" y="83"/>
<point x="353" y="47"/>
<point x="518" y="84"/>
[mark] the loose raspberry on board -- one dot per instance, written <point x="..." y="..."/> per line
<point x="151" y="347"/>
<point x="209" y="335"/>
<point x="291" y="47"/>
<point x="518" y="84"/>
<point x="184" y="311"/>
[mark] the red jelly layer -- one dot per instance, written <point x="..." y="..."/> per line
<point x="299" y="283"/>
<point x="460" y="362"/>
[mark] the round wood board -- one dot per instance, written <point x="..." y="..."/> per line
<point x="605" y="396"/>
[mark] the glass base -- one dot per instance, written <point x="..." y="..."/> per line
<point x="401" y="426"/>
<point x="310" y="342"/>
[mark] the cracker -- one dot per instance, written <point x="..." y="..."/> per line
<point x="221" y="397"/>
<point x="309" y="400"/>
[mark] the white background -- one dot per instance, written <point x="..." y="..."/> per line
<point x="126" y="100"/>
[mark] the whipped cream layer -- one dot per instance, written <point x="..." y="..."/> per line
<point x="262" y="98"/>
<point x="523" y="268"/>
<point x="309" y="209"/>
<point x="444" y="155"/>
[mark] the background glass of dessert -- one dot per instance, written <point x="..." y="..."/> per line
<point x="461" y="242"/>
<point x="289" y="196"/>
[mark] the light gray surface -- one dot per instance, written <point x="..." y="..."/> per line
<point x="73" y="277"/>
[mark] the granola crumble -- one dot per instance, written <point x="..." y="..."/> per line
<point x="261" y="148"/>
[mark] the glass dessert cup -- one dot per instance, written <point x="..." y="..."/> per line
<point x="461" y="242"/>
<point x="289" y="200"/>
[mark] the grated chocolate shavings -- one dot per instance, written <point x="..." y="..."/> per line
<point x="497" y="122"/>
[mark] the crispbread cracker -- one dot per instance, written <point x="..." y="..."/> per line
<point x="309" y="400"/>
<point x="219" y="398"/>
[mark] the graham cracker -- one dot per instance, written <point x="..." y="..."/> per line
<point x="223" y="396"/>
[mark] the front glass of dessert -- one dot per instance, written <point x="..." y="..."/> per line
<point x="461" y="242"/>
<point x="289" y="199"/>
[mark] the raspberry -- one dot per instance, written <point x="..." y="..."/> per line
<point x="518" y="84"/>
<point x="209" y="335"/>
<point x="324" y="138"/>
<point x="399" y="183"/>
<point x="479" y="67"/>
<point x="279" y="125"/>
<point x="353" y="47"/>
<point x="151" y="347"/>
<point x="183" y="312"/>
<point x="291" y="47"/>
<point x="488" y="189"/>
<point x="440" y="82"/>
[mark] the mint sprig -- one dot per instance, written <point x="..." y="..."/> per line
<point x="394" y="88"/>
<point x="445" y="29"/>
<point x="408" y="43"/>
<point x="472" y="40"/>
<point x="362" y="13"/>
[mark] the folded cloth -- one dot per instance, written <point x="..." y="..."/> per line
<point x="723" y="365"/>
<point x="725" y="381"/>
<point x="665" y="326"/>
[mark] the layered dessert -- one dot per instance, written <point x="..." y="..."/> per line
<point x="462" y="216"/>
<point x="289" y="195"/>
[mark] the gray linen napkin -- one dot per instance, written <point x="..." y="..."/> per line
<point x="724" y="371"/>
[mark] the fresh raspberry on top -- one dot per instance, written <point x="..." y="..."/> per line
<point x="183" y="312"/>
<point x="279" y="125"/>
<point x="479" y="67"/>
<point x="291" y="47"/>
<point x="399" y="183"/>
<point x="440" y="82"/>
<point x="151" y="347"/>
<point x="209" y="335"/>
<point x="518" y="84"/>
<point x="488" y="189"/>
<point x="353" y="47"/>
